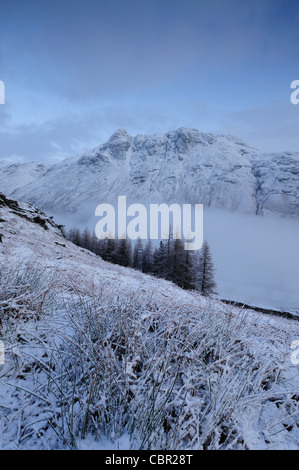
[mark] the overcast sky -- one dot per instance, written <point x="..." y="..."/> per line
<point x="77" y="70"/>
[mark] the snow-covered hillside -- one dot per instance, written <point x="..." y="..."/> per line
<point x="184" y="165"/>
<point x="99" y="356"/>
<point x="14" y="176"/>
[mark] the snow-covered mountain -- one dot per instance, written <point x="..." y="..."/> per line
<point x="98" y="356"/>
<point x="184" y="165"/>
<point x="14" y="176"/>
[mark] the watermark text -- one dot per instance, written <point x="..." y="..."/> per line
<point x="153" y="222"/>
<point x="295" y="95"/>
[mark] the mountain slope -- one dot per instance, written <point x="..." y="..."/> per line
<point x="100" y="356"/>
<point x="180" y="166"/>
<point x="18" y="175"/>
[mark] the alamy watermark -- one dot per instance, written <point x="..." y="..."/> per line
<point x="153" y="222"/>
<point x="295" y="353"/>
<point x="2" y="92"/>
<point x="2" y="353"/>
<point x="295" y="95"/>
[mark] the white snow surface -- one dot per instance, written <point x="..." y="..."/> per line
<point x="14" y="176"/>
<point x="261" y="418"/>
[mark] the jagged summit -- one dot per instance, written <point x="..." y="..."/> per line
<point x="120" y="134"/>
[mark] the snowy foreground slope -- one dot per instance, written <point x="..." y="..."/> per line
<point x="99" y="356"/>
<point x="182" y="166"/>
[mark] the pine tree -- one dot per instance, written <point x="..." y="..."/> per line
<point x="189" y="270"/>
<point x="94" y="244"/>
<point x="159" y="261"/>
<point x="71" y="235"/>
<point x="86" y="239"/>
<point x="107" y="249"/>
<point x="206" y="283"/>
<point x="138" y="255"/>
<point x="102" y="247"/>
<point x="147" y="258"/>
<point x="177" y="273"/>
<point x="74" y="236"/>
<point x="168" y="264"/>
<point x="123" y="252"/>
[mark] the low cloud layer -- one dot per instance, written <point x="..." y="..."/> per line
<point x="257" y="258"/>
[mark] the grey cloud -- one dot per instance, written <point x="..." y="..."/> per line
<point x="270" y="128"/>
<point x="67" y="136"/>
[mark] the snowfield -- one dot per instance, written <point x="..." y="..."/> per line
<point x="103" y="357"/>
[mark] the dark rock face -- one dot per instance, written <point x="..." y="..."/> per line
<point x="28" y="212"/>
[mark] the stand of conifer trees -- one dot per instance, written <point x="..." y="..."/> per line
<point x="191" y="270"/>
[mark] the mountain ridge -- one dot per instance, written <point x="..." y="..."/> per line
<point x="183" y="166"/>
